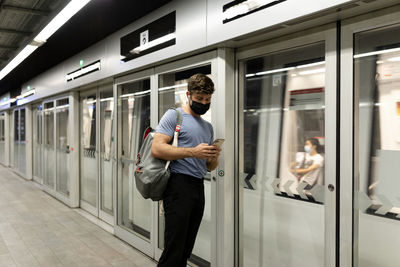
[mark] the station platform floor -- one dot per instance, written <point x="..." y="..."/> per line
<point x="38" y="230"/>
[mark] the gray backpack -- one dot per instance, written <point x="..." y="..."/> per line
<point x="152" y="174"/>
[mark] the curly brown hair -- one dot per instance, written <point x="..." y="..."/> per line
<point x="201" y="83"/>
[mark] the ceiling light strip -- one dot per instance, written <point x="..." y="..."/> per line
<point x="60" y="19"/>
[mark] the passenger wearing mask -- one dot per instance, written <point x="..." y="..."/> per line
<point x="309" y="165"/>
<point x="195" y="155"/>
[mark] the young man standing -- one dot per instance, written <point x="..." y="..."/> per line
<point x="195" y="155"/>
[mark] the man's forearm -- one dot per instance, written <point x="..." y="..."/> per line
<point x="169" y="152"/>
<point x="212" y="164"/>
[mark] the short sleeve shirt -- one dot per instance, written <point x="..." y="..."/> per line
<point x="315" y="175"/>
<point x="194" y="131"/>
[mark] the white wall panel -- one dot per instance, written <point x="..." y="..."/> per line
<point x="282" y="12"/>
<point x="191" y="35"/>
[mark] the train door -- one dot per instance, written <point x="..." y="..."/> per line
<point x="97" y="157"/>
<point x="2" y="139"/>
<point x="37" y="126"/>
<point x="371" y="140"/>
<point x="286" y="134"/>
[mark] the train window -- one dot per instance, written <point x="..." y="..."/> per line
<point x="283" y="121"/>
<point x="377" y="79"/>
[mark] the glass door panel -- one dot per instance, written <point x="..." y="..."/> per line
<point x="377" y="82"/>
<point x="21" y="142"/>
<point x="16" y="139"/>
<point x="106" y="151"/>
<point x="281" y="158"/>
<point x="134" y="113"/>
<point x="37" y="142"/>
<point x="48" y="145"/>
<point x="88" y="157"/>
<point x="2" y="139"/>
<point x="62" y="146"/>
<point x="172" y="94"/>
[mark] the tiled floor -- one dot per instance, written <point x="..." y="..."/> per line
<point x="38" y="230"/>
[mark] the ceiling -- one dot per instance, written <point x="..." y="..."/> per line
<point x="21" y="20"/>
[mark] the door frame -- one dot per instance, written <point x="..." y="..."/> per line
<point x="188" y="63"/>
<point x="34" y="106"/>
<point x="328" y="35"/>
<point x="71" y="199"/>
<point x="129" y="237"/>
<point x="349" y="131"/>
<point x="95" y="210"/>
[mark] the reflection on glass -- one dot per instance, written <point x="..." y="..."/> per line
<point x="37" y="141"/>
<point x="88" y="170"/>
<point x="281" y="115"/>
<point x="21" y="143"/>
<point x="134" y="112"/>
<point x="62" y="146"/>
<point x="172" y="90"/>
<point x="16" y="139"/>
<point x="377" y="81"/>
<point x="2" y="138"/>
<point x="48" y="144"/>
<point x="106" y="149"/>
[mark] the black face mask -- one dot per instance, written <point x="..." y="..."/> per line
<point x="199" y="108"/>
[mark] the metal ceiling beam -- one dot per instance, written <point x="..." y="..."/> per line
<point x="15" y="32"/>
<point x="25" y="10"/>
<point x="8" y="47"/>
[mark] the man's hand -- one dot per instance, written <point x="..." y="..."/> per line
<point x="204" y="151"/>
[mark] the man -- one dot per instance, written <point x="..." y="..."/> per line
<point x="195" y="155"/>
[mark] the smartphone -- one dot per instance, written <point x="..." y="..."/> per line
<point x="218" y="142"/>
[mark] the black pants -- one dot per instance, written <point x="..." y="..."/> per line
<point x="184" y="206"/>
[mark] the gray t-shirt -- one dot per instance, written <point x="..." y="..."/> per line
<point x="194" y="131"/>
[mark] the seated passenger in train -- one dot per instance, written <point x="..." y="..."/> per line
<point x="308" y="167"/>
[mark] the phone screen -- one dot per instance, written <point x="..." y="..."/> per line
<point x="218" y="142"/>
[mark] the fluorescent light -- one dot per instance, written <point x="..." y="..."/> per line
<point x="106" y="99"/>
<point x="245" y="7"/>
<point x="310" y="65"/>
<point x="153" y="43"/>
<point x="380" y="52"/>
<point x="135" y="94"/>
<point x="273" y="71"/>
<point x="69" y="10"/>
<point x="268" y="72"/>
<point x="63" y="106"/>
<point x="379" y="62"/>
<point x="90" y="102"/>
<point x="17" y="60"/>
<point x="307" y="72"/>
<point x="173" y="87"/>
<point x="394" y="59"/>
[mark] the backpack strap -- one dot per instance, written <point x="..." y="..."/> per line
<point x="176" y="133"/>
<point x="177" y="127"/>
